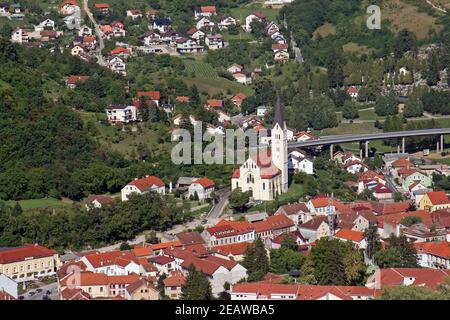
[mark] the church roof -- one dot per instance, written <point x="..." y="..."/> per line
<point x="279" y="113"/>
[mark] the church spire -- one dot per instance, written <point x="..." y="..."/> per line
<point x="279" y="113"/>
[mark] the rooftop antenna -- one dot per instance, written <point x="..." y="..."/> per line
<point x="331" y="214"/>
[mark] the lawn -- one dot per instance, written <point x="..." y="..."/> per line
<point x="369" y="115"/>
<point x="41" y="203"/>
<point x="348" y="128"/>
<point x="242" y="12"/>
<point x="294" y="193"/>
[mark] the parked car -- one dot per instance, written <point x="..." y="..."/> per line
<point x="48" y="292"/>
<point x="46" y="297"/>
<point x="39" y="290"/>
<point x="31" y="293"/>
<point x="21" y="298"/>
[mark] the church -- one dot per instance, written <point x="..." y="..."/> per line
<point x="266" y="173"/>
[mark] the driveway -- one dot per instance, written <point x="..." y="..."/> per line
<point x="53" y="287"/>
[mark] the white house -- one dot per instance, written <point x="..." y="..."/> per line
<point x="257" y="16"/>
<point x="20" y="36"/>
<point x="121" y="113"/>
<point x="143" y="185"/>
<point x="353" y="92"/>
<point x="85" y="31"/>
<point x="8" y="286"/>
<point x="356" y="237"/>
<point x="162" y="24"/>
<point x="46" y="24"/>
<point x="186" y="45"/>
<point x="227" y="21"/>
<point x="261" y="111"/>
<point x="355" y="167"/>
<point x="204" y="11"/>
<point x="205" y="23"/>
<point x="214" y="42"/>
<point x="203" y="187"/>
<point x="134" y="14"/>
<point x="4" y="10"/>
<point x="298" y="162"/>
<point x="243" y="77"/>
<point x="235" y="68"/>
<point x="117" y="64"/>
<point x="435" y="255"/>
<point x="196" y="34"/>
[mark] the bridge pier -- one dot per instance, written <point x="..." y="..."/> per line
<point x="331" y="151"/>
<point x="367" y="148"/>
<point x="403" y="145"/>
<point x="361" y="153"/>
<point x="438" y="149"/>
<point x="442" y="143"/>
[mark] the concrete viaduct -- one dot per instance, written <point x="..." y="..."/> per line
<point x="365" y="138"/>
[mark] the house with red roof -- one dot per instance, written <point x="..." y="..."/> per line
<point x="353" y="92"/>
<point x="275" y="291"/>
<point x="203" y="187"/>
<point x="417" y="277"/>
<point x="229" y="232"/>
<point x="295" y="212"/>
<point x="98" y="201"/>
<point x="195" y="34"/>
<point x="356" y="237"/>
<point x="214" y="103"/>
<point x="435" y="255"/>
<point x="238" y="99"/>
<point x="233" y="251"/>
<point x="69" y="7"/>
<point x="135" y="14"/>
<point x="122" y="52"/>
<point x="204" y="11"/>
<point x="433" y="201"/>
<point x="253" y="17"/>
<point x="143" y="185"/>
<point x="73" y="81"/>
<point x="28" y="262"/>
<point x="173" y="284"/>
<point x="102" y="7"/>
<point x="280" y="52"/>
<point x="150" y="97"/>
<point x="315" y="228"/>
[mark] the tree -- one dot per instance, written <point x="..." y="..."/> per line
<point x="238" y="200"/>
<point x="373" y="241"/>
<point x="400" y="254"/>
<point x="413" y="293"/>
<point x="406" y="41"/>
<point x="289" y="242"/>
<point x="256" y="261"/>
<point x="336" y="262"/>
<point x="197" y="286"/>
<point x="410" y="220"/>
<point x="350" y="111"/>
<point x="386" y="105"/>
<point x="432" y="72"/>
<point x="334" y="63"/>
<point x="124" y="246"/>
<point x="413" y="108"/>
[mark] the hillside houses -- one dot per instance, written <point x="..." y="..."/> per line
<point x="143" y="185"/>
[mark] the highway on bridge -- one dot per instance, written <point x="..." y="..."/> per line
<point x="330" y="140"/>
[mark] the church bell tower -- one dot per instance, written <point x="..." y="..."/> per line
<point x="279" y="145"/>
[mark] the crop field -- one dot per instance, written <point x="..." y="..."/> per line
<point x="201" y="69"/>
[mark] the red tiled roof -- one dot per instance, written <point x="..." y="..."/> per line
<point x="182" y="99"/>
<point x="100" y="198"/>
<point x="123" y="279"/>
<point x="102" y="6"/>
<point x="395" y="218"/>
<point x="144" y="184"/>
<point x="119" y="50"/>
<point x="154" y="95"/>
<point x="164" y="245"/>
<point x="215" y="103"/>
<point x="351" y="235"/>
<point x="389" y="208"/>
<point x="352" y="90"/>
<point x="162" y="260"/>
<point x="280" y="46"/>
<point x="208" y="9"/>
<point x="28" y="251"/>
<point x="190" y="238"/>
<point x="139" y="251"/>
<point x="115" y="257"/>
<point x="77" y="79"/>
<point x="440" y="249"/>
<point x="430" y="278"/>
<point x="175" y="281"/>
<point x="234" y="249"/>
<point x="380" y="188"/>
<point x="205" y="182"/>
<point x="402" y="163"/>
<point x="229" y="228"/>
<point x="438" y="197"/>
<point x="236" y="174"/>
<point x="294" y="208"/>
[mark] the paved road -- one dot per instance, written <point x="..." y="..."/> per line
<point x="53" y="287"/>
<point x="217" y="211"/>
<point x="98" y="32"/>
<point x="327" y="140"/>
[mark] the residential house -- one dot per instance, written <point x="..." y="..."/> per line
<point x="186" y="45"/>
<point x="356" y="237"/>
<point x="151" y="38"/>
<point x="205" y="23"/>
<point x="299" y="162"/>
<point x="243" y="77"/>
<point x="143" y="185"/>
<point x="235" y="251"/>
<point x="162" y="24"/>
<point x="121" y="114"/>
<point x="8" y="288"/>
<point x="102" y="7"/>
<point x="73" y="81"/>
<point x="173" y="284"/>
<point x="142" y="289"/>
<point x="134" y="14"/>
<point x="261" y="111"/>
<point x="4" y="10"/>
<point x="238" y="99"/>
<point x="435" y="255"/>
<point x="353" y="92"/>
<point x="214" y="42"/>
<point x="164" y="264"/>
<point x="149" y="97"/>
<point x="78" y="50"/>
<point x="117" y="64"/>
<point x="203" y="187"/>
<point x="304" y="136"/>
<point x="226" y="22"/>
<point x="98" y="201"/>
<point x="256" y="16"/>
<point x="272" y="28"/>
<point x="274" y="291"/>
<point x="414" y="178"/>
<point x="235" y="68"/>
<point x="204" y="11"/>
<point x="295" y="212"/>
<point x="85" y="31"/>
<point x="69" y="7"/>
<point x="433" y="201"/>
<point x="280" y="52"/>
<point x="47" y="24"/>
<point x="121" y="52"/>
<point x="315" y="228"/>
<point x="20" y="36"/>
<point x="196" y="34"/>
<point x="355" y="166"/>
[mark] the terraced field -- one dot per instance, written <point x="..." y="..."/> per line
<point x="201" y="69"/>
